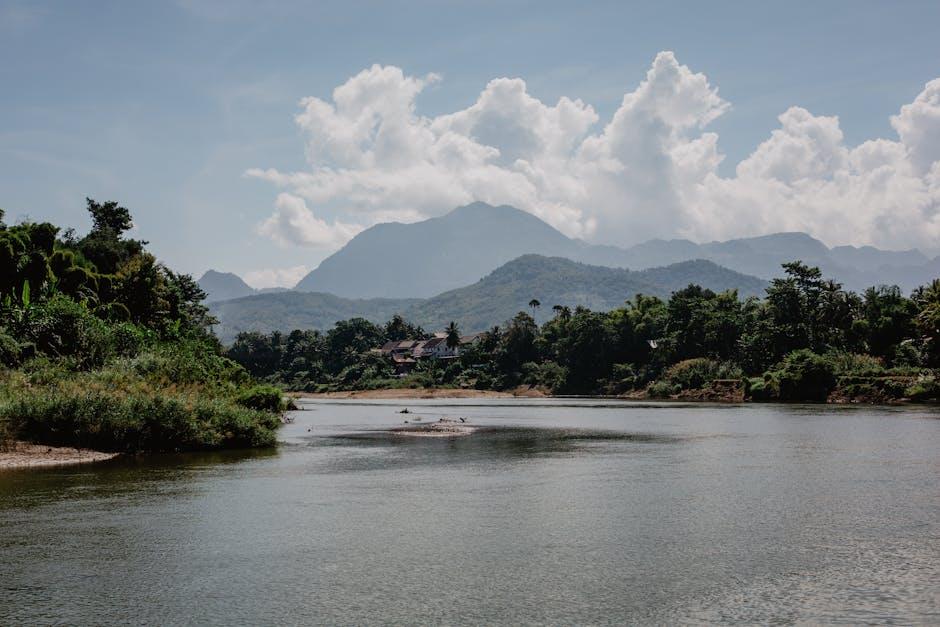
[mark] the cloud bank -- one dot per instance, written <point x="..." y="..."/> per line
<point x="650" y="171"/>
<point x="276" y="277"/>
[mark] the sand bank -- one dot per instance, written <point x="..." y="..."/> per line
<point x="440" y="429"/>
<point x="25" y="455"/>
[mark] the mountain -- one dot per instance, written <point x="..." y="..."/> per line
<point x="426" y="258"/>
<point x="492" y="300"/>
<point x="855" y="267"/>
<point x="289" y="310"/>
<point x="556" y="281"/>
<point x="223" y="286"/>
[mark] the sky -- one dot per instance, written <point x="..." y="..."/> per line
<point x="256" y="136"/>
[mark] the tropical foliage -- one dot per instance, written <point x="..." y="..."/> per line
<point x="101" y="345"/>
<point x="806" y="339"/>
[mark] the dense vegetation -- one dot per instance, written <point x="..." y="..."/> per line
<point x="104" y="347"/>
<point x="806" y="339"/>
<point x="487" y="302"/>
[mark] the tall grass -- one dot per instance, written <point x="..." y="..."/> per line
<point x="163" y="400"/>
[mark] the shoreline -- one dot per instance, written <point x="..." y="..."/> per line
<point x="694" y="396"/>
<point x="27" y="455"/>
<point x="423" y="393"/>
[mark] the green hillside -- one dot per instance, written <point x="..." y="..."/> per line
<point x="492" y="300"/>
<point x="556" y="281"/>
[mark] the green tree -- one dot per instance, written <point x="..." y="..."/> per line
<point x="453" y="335"/>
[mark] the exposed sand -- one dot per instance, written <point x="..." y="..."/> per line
<point x="409" y="393"/>
<point x="440" y="429"/>
<point x="25" y="455"/>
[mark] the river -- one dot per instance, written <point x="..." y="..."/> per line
<point x="555" y="511"/>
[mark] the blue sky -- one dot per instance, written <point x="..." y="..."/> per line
<point x="165" y="105"/>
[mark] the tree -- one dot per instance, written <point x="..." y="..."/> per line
<point x="453" y="335"/>
<point x="105" y="246"/>
<point x="563" y="312"/>
<point x="398" y="329"/>
<point x="109" y="217"/>
<point x="534" y="304"/>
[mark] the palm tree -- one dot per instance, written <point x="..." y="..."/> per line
<point x="453" y="335"/>
<point x="534" y="304"/>
<point x="562" y="311"/>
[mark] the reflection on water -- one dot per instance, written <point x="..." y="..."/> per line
<point x="553" y="511"/>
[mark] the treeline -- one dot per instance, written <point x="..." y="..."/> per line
<point x="804" y="339"/>
<point x="102" y="346"/>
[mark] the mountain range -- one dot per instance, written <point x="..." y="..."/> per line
<point x="425" y="258"/>
<point x="431" y="272"/>
<point x="492" y="300"/>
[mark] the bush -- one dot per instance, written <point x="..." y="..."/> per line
<point x="761" y="388"/>
<point x="623" y="377"/>
<point x="925" y="389"/>
<point x="63" y="327"/>
<point x="189" y="362"/>
<point x="805" y="376"/>
<point x="127" y="339"/>
<point x="547" y="374"/>
<point x="662" y="389"/>
<point x="262" y="397"/>
<point x="854" y="364"/>
<point x="10" y="351"/>
<point x="136" y="422"/>
<point x="692" y="374"/>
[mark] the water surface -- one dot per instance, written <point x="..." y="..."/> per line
<point x="556" y="511"/>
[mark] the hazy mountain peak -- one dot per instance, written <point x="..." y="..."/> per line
<point x="223" y="286"/>
<point x="424" y="258"/>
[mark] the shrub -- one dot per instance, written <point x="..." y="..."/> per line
<point x="692" y="374"/>
<point x="805" y="376"/>
<point x="855" y="364"/>
<point x="10" y="351"/>
<point x="662" y="389"/>
<point x="547" y="374"/>
<point x="623" y="377"/>
<point x="63" y="327"/>
<point x="127" y="339"/>
<point x="189" y="362"/>
<point x="761" y="388"/>
<point x="262" y="397"/>
<point x="926" y="388"/>
<point x="135" y="422"/>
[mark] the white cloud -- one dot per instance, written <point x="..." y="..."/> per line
<point x="650" y="171"/>
<point x="293" y="223"/>
<point x="276" y="277"/>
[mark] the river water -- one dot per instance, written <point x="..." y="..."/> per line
<point x="555" y="511"/>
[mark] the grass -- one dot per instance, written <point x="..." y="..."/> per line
<point x="159" y="401"/>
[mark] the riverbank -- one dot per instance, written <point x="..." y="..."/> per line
<point x="425" y="393"/>
<point x="26" y="455"/>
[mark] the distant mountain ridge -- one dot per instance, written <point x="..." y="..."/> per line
<point x="224" y="286"/>
<point x="425" y="258"/>
<point x="220" y="286"/>
<point x="492" y="300"/>
<point x="552" y="281"/>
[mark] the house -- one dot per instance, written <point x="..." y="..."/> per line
<point x="405" y="353"/>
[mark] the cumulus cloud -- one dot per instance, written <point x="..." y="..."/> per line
<point x="276" y="277"/>
<point x="649" y="171"/>
<point x="293" y="223"/>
